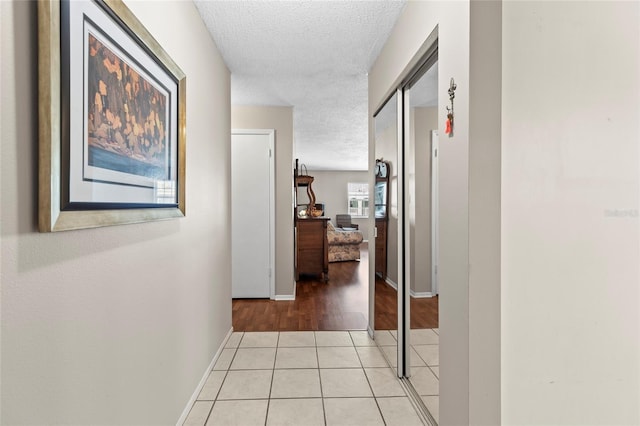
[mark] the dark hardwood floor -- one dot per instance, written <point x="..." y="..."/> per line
<point x="339" y="304"/>
<point x="424" y="311"/>
<point x="386" y="308"/>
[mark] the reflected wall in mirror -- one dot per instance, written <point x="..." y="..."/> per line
<point x="386" y="222"/>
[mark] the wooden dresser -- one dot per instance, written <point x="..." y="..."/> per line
<point x="312" y="248"/>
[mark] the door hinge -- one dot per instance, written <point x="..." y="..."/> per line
<point x="270" y="272"/>
<point x="270" y="153"/>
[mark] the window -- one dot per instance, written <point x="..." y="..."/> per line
<point x="358" y="199"/>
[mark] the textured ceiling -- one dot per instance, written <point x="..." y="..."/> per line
<point x="312" y="55"/>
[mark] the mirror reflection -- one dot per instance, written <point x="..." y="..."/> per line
<point x="386" y="222"/>
<point x="421" y="144"/>
<point x="380" y="197"/>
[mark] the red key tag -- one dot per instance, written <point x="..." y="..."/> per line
<point x="449" y="125"/>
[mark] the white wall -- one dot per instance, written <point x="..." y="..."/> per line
<point x="330" y="188"/>
<point x="280" y="119"/>
<point x="113" y="325"/>
<point x="571" y="298"/>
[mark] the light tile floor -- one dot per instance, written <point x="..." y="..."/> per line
<point x="305" y="378"/>
<point x="423" y="360"/>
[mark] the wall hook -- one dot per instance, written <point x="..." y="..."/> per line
<point x="452" y="91"/>
<point x="452" y="94"/>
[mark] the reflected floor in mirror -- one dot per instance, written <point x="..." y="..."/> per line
<point x="424" y="311"/>
<point x="423" y="359"/>
<point x="424" y="340"/>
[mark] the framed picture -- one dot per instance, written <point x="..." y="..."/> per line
<point x="112" y="119"/>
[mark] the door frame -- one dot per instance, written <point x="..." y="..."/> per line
<point x="272" y="201"/>
<point x="435" y="234"/>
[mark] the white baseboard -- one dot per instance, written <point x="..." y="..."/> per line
<point x="415" y="294"/>
<point x="193" y="398"/>
<point x="391" y="283"/>
<point x="280" y="297"/>
<point x="420" y="294"/>
<point x="284" y="297"/>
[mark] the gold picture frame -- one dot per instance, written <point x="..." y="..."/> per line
<point x="159" y="145"/>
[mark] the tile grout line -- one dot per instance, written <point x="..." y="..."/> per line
<point x="324" y="411"/>
<point x="423" y="411"/>
<point x="417" y="403"/>
<point x="273" y="372"/>
<point x="436" y="375"/>
<point x="223" y="380"/>
<point x="208" y="400"/>
<point x="373" y="394"/>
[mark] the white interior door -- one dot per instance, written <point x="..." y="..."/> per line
<point x="252" y="213"/>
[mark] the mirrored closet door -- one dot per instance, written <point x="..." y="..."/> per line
<point x="420" y="141"/>
<point x="386" y="222"/>
<point x="406" y="245"/>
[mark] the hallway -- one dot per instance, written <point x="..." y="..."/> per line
<point x="304" y="378"/>
<point x="538" y="184"/>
